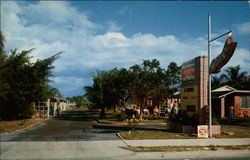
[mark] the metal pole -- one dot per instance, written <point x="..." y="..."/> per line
<point x="209" y="77"/>
<point x="220" y="36"/>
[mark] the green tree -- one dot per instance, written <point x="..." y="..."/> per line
<point x="78" y="100"/>
<point x="141" y="82"/>
<point x="22" y="83"/>
<point x="216" y="82"/>
<point x="97" y="93"/>
<point x="54" y="92"/>
<point x="3" y="67"/>
<point x="235" y="78"/>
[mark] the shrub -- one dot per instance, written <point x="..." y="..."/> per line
<point x="121" y="116"/>
<point x="183" y="119"/>
<point x="133" y="123"/>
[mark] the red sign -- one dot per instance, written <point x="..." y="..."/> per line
<point x="224" y="57"/>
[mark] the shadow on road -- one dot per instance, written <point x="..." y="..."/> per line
<point x="75" y="116"/>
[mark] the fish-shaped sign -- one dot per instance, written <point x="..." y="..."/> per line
<point x="224" y="57"/>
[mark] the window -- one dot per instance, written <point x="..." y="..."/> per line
<point x="188" y="89"/>
<point x="245" y="102"/>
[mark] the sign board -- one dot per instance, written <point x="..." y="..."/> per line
<point x="187" y="72"/>
<point x="202" y="131"/>
<point x="194" y="88"/>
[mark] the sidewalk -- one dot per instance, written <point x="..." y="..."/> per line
<point x="100" y="150"/>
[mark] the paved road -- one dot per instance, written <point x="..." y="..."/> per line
<point x="72" y="126"/>
<point x="72" y="137"/>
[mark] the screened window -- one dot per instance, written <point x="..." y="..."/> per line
<point x="245" y="102"/>
<point x="188" y="89"/>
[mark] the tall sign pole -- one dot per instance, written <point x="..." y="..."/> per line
<point x="209" y="78"/>
<point x="224" y="57"/>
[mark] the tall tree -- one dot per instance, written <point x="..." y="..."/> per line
<point x="78" y="100"/>
<point x="27" y="82"/>
<point x="141" y="82"/>
<point x="100" y="92"/>
<point x="234" y="77"/>
<point x="54" y="92"/>
<point x="216" y="82"/>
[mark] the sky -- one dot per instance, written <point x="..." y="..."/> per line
<point x="103" y="35"/>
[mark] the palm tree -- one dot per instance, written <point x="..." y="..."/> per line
<point x="4" y="88"/>
<point x="104" y="92"/>
<point x="2" y="40"/>
<point x="234" y="77"/>
<point x="216" y="82"/>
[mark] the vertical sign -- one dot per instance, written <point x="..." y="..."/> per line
<point x="202" y="131"/>
<point x="187" y="72"/>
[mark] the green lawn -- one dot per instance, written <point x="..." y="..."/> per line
<point x="110" y="117"/>
<point x="136" y="134"/>
<point x="235" y="133"/>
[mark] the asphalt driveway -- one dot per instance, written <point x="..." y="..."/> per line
<point x="71" y="126"/>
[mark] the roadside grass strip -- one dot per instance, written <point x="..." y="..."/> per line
<point x="144" y="134"/>
<point x="138" y="135"/>
<point x="234" y="133"/>
<point x="10" y="126"/>
<point x="184" y="148"/>
<point x="111" y="117"/>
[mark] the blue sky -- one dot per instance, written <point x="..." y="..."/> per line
<point x="98" y="35"/>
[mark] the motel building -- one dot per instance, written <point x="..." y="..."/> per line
<point x="226" y="96"/>
<point x="47" y="108"/>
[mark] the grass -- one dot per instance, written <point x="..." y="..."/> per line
<point x="152" y="119"/>
<point x="137" y="135"/>
<point x="185" y="148"/>
<point x="236" y="133"/>
<point x="236" y="121"/>
<point x="110" y="117"/>
<point x="10" y="126"/>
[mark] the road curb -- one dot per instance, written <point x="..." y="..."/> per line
<point x="93" y="117"/>
<point x="25" y="127"/>
<point x="123" y="140"/>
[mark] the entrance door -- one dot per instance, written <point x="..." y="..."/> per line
<point x="229" y="101"/>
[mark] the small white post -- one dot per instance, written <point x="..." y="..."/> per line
<point x="48" y="107"/>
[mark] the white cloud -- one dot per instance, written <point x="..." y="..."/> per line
<point x="47" y="27"/>
<point x="124" y="11"/>
<point x="113" y="27"/>
<point x="63" y="83"/>
<point x="243" y="28"/>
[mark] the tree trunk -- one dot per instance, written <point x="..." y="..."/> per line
<point x="141" y="109"/>
<point x="115" y="108"/>
<point x="102" y="113"/>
